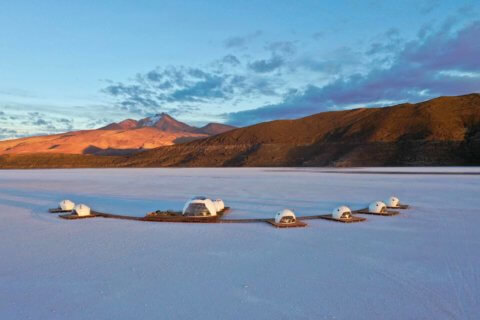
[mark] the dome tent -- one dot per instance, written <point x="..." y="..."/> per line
<point x="219" y="205"/>
<point x="66" y="205"/>
<point x="63" y="206"/>
<point x="377" y="207"/>
<point x="286" y="219"/>
<point x="199" y="207"/>
<point x="285" y="216"/>
<point x="342" y="212"/>
<point x="392" y="202"/>
<point x="82" y="210"/>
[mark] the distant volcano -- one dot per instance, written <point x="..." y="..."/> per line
<point x="166" y="123"/>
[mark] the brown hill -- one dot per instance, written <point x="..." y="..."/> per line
<point x="125" y="137"/>
<point x="122" y="125"/>
<point x="442" y="131"/>
<point x="99" y="142"/>
<point x="215" y="128"/>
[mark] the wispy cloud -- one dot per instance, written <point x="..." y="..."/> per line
<point x="241" y="42"/>
<point x="427" y="6"/>
<point x="20" y="124"/>
<point x="267" y="65"/>
<point x="282" y="47"/>
<point x="230" y="59"/>
<point x="8" y="134"/>
<point x="156" y="89"/>
<point x="44" y="122"/>
<point x="180" y="89"/>
<point x="318" y="35"/>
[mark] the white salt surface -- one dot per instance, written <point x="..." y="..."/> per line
<point x="421" y="264"/>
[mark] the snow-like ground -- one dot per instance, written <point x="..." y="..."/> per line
<point x="421" y="264"/>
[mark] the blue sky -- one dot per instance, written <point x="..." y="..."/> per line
<point x="68" y="65"/>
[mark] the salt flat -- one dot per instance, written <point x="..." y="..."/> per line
<point x="421" y="264"/>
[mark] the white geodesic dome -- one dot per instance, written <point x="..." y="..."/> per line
<point x="341" y="212"/>
<point x="199" y="207"/>
<point x="82" y="210"/>
<point x="219" y="204"/>
<point x="377" y="207"/>
<point x="392" y="202"/>
<point x="66" y="205"/>
<point x="285" y="216"/>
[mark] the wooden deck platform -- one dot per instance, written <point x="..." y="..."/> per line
<point x="180" y="218"/>
<point x="58" y="210"/>
<point x="400" y="206"/>
<point x="296" y="224"/>
<point x="365" y="211"/>
<point x="73" y="216"/>
<point x="176" y="216"/>
<point x="352" y="219"/>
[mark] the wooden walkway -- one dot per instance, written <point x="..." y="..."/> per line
<point x="176" y="216"/>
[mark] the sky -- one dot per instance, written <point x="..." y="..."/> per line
<point x="70" y="65"/>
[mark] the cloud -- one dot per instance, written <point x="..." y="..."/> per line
<point x="64" y="124"/>
<point x="324" y="66"/>
<point x="180" y="89"/>
<point x="65" y="121"/>
<point x="388" y="43"/>
<point x="280" y="53"/>
<point x="154" y="90"/>
<point x="16" y="92"/>
<point x="8" y="134"/>
<point x="45" y="124"/>
<point x="99" y="122"/>
<point x="332" y="64"/>
<point x="241" y="42"/>
<point x="427" y="6"/>
<point x="318" y="35"/>
<point x="268" y="65"/>
<point x="468" y="10"/>
<point x="231" y="60"/>
<point x="40" y="122"/>
<point x="282" y="47"/>
<point x="210" y="87"/>
<point x="441" y="62"/>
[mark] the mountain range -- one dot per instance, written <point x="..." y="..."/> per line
<point x="166" y="123"/>
<point x="441" y="131"/>
<point x="125" y="137"/>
